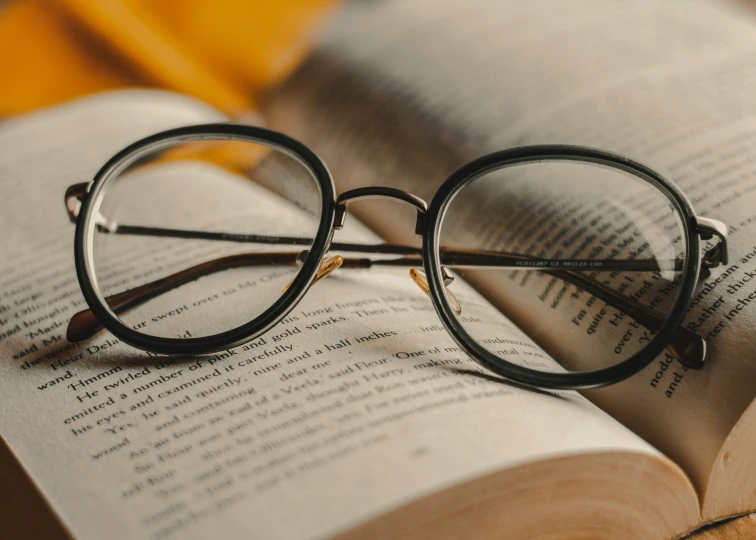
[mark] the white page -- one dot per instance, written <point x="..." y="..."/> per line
<point x="424" y="87"/>
<point x="236" y="444"/>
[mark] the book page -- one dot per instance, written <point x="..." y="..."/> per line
<point x="403" y="93"/>
<point x="348" y="408"/>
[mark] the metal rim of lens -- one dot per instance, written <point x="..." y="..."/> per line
<point x="549" y="153"/>
<point x="260" y="324"/>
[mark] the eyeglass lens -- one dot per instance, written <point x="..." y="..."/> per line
<point x="585" y="259"/>
<point x="151" y="256"/>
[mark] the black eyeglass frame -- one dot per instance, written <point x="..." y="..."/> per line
<point x="529" y="154"/>
<point x="428" y="226"/>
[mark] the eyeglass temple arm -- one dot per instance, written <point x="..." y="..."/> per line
<point x="85" y="324"/>
<point x="686" y="346"/>
<point x="75" y="194"/>
<point x="707" y="228"/>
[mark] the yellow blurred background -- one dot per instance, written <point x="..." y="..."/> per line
<point x="225" y="52"/>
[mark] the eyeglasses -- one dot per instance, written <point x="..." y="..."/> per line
<point x="593" y="256"/>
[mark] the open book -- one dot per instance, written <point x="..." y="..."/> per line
<point x="358" y="416"/>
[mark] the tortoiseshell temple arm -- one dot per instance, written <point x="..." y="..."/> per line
<point x="85" y="324"/>
<point x="687" y="347"/>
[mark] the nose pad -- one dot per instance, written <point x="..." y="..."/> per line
<point x="328" y="266"/>
<point x="419" y="277"/>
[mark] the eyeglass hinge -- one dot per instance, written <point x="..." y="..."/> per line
<point x="340" y="217"/>
<point x="707" y="229"/>
<point x="74" y="197"/>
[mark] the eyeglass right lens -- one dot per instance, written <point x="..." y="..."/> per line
<point x="582" y="263"/>
<point x="200" y="237"/>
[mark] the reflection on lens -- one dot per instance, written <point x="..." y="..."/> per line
<point x="584" y="259"/>
<point x="201" y="237"/>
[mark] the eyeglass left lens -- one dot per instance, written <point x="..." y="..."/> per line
<point x="585" y="261"/>
<point x="200" y="237"/>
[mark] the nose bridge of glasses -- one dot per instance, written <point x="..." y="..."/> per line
<point x="378" y="192"/>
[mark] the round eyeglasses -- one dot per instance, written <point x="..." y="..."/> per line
<point x="594" y="256"/>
